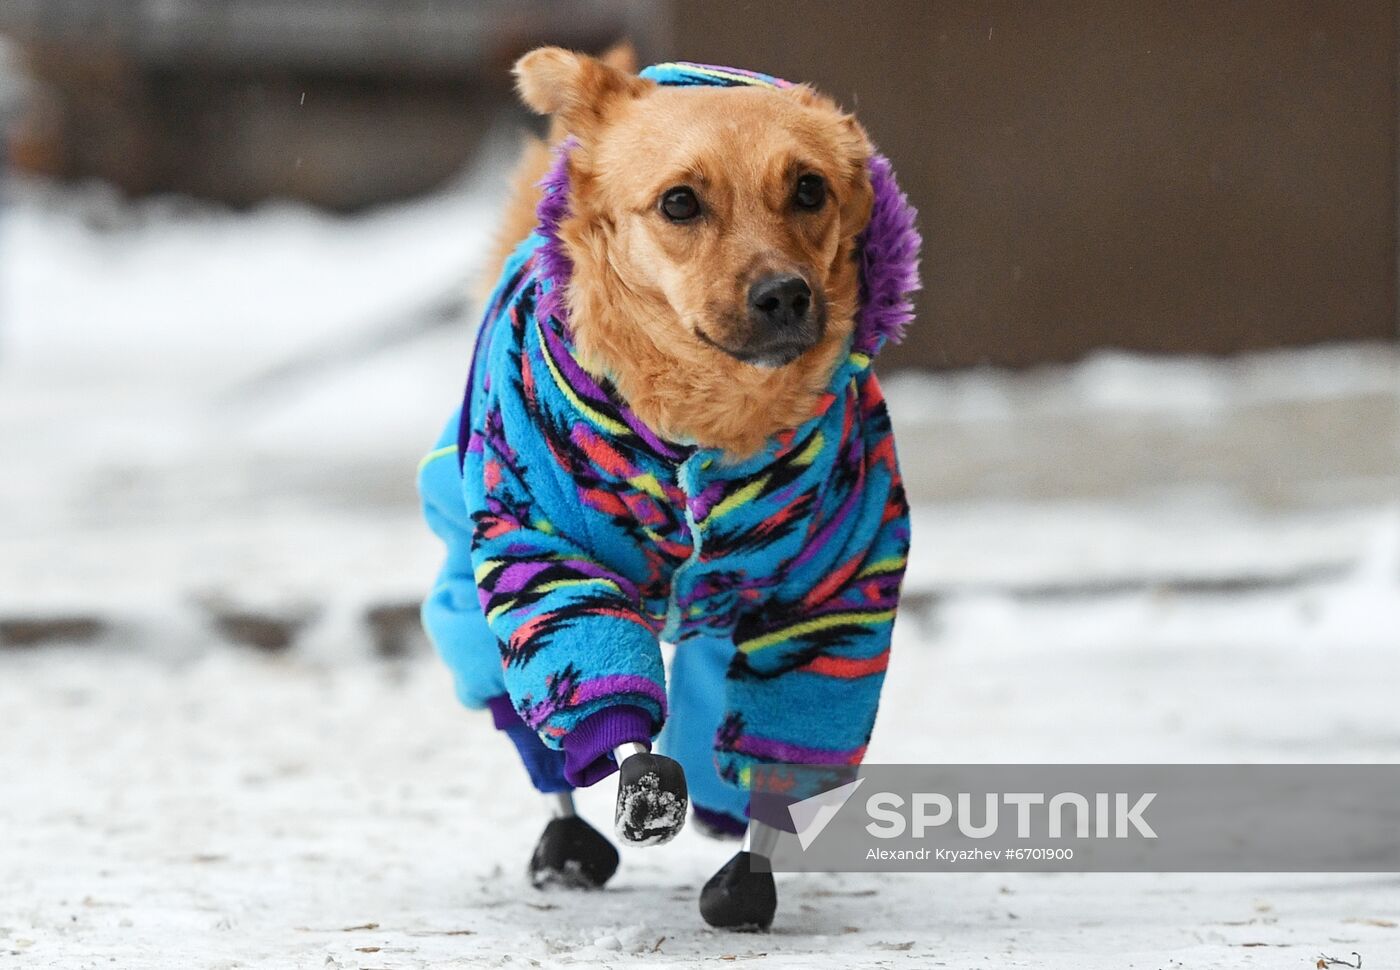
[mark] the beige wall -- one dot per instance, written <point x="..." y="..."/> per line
<point x="1164" y="176"/>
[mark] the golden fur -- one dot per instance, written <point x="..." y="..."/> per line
<point x="649" y="299"/>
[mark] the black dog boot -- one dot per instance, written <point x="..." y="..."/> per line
<point x="573" y="854"/>
<point x="651" y="797"/>
<point x="738" y="898"/>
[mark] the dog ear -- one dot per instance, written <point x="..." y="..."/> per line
<point x="576" y="89"/>
<point x="855" y="149"/>
<point x="621" y="56"/>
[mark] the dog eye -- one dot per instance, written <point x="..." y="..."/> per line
<point x="680" y="204"/>
<point x="811" y="192"/>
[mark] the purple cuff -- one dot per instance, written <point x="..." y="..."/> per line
<point x="503" y="712"/>
<point x="588" y="747"/>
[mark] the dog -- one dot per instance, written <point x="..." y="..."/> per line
<point x="671" y="432"/>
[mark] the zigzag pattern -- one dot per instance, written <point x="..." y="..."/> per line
<point x="591" y="537"/>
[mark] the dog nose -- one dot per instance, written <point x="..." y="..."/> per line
<point x="780" y="301"/>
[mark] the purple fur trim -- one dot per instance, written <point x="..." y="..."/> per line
<point x="555" y="264"/>
<point x="889" y="262"/>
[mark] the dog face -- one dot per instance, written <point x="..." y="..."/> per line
<point x="732" y="211"/>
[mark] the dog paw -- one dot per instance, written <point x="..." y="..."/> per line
<point x="651" y="800"/>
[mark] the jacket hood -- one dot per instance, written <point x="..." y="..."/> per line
<point x="888" y="248"/>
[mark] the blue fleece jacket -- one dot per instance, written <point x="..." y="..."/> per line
<point x="578" y="538"/>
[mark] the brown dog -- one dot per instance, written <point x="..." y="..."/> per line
<point x="671" y="432"/>
<point x="673" y="311"/>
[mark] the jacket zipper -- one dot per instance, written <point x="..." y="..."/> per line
<point x="673" y="606"/>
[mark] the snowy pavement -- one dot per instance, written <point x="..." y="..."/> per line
<point x="208" y="426"/>
<point x="236" y="810"/>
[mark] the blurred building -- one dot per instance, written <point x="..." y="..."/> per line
<point x="343" y="103"/>
<point x="1198" y="177"/>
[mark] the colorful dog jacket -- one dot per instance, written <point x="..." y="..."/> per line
<point x="578" y="539"/>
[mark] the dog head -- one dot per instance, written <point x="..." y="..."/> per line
<point x="724" y="219"/>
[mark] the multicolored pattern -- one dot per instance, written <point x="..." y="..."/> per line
<point x="688" y="74"/>
<point x="578" y="538"/>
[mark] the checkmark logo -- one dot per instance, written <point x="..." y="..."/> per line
<point x="812" y="815"/>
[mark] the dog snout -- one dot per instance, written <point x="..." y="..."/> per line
<point x="780" y="301"/>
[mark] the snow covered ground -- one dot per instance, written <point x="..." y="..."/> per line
<point x="208" y="428"/>
<point x="236" y="810"/>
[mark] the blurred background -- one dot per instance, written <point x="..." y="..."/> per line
<point x="1160" y="279"/>
<point x="1149" y="412"/>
